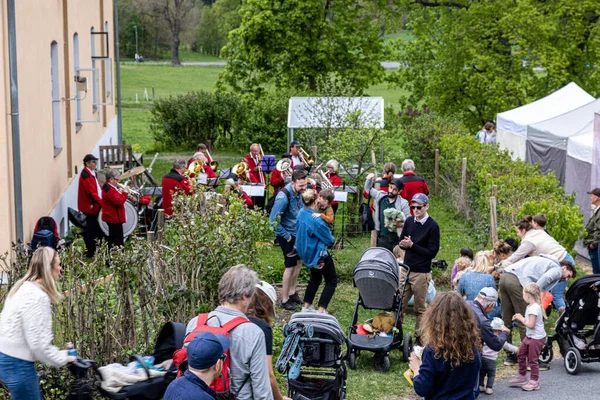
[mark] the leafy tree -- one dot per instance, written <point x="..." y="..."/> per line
<point x="474" y="58"/>
<point x="292" y="43"/>
<point x="215" y="24"/>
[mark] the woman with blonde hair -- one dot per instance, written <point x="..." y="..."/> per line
<point x="476" y="278"/>
<point x="26" y="326"/>
<point x="451" y="359"/>
<point x="333" y="177"/>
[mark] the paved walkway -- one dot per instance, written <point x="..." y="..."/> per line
<point x="556" y="384"/>
<point x="384" y="64"/>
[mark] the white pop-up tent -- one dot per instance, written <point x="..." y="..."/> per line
<point x="578" y="171"/>
<point x="333" y="112"/>
<point x="511" y="125"/>
<point x="547" y="140"/>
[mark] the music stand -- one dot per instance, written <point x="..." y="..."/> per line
<point x="267" y="166"/>
<point x="341" y="196"/>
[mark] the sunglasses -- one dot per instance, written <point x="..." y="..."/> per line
<point x="416" y="207"/>
<point x="223" y="357"/>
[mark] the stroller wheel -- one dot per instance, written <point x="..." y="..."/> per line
<point x="546" y="354"/>
<point x="407" y="347"/>
<point x="351" y="361"/>
<point x="573" y="361"/>
<point x="381" y="362"/>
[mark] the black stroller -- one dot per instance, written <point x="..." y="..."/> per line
<point x="312" y="357"/>
<point x="169" y="339"/>
<point x="377" y="277"/>
<point x="578" y="342"/>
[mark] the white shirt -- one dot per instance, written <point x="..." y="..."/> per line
<point x="537" y="332"/>
<point x="98" y="188"/>
<point x="422" y="220"/>
<point x="296" y="161"/>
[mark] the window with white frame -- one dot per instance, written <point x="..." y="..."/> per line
<point x="94" y="78"/>
<point x="109" y="70"/>
<point x="54" y="73"/>
<point x="76" y="67"/>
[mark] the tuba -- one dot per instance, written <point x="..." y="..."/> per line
<point x="241" y="170"/>
<point x="285" y="167"/>
<point x="306" y="158"/>
<point x="325" y="182"/>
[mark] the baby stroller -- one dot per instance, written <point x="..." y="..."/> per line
<point x="313" y="347"/>
<point x="377" y="277"/>
<point x="577" y="343"/>
<point x="169" y="339"/>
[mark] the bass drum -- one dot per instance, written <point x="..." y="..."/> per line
<point x="131" y="217"/>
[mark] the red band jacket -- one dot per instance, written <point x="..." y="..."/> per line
<point x="113" y="205"/>
<point x="335" y="180"/>
<point x="173" y="183"/>
<point x="254" y="175"/>
<point x="88" y="200"/>
<point x="277" y="181"/>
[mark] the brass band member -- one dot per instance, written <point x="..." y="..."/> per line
<point x="174" y="182"/>
<point x="113" y="207"/>
<point x="279" y="179"/>
<point x="334" y="178"/>
<point x="89" y="202"/>
<point x="254" y="160"/>
<point x="295" y="154"/>
<point x="204" y="150"/>
<point x="232" y="185"/>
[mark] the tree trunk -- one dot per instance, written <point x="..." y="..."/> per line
<point x="175" y="62"/>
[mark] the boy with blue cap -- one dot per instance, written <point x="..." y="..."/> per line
<point x="206" y="354"/>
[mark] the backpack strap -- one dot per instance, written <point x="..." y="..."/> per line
<point x="287" y="194"/>
<point x="234" y="323"/>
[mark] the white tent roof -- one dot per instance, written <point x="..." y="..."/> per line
<point x="555" y="131"/>
<point x="565" y="99"/>
<point x="322" y="112"/>
<point x="580" y="147"/>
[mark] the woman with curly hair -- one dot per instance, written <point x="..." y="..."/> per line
<point x="450" y="363"/>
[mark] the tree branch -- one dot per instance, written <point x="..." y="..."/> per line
<point x="434" y="3"/>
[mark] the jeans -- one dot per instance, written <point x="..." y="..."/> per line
<point x="558" y="291"/>
<point x="20" y="378"/>
<point x="488" y="367"/>
<point x="594" y="258"/>
<point x="316" y="277"/>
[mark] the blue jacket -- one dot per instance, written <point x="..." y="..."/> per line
<point x="189" y="386"/>
<point x="287" y="210"/>
<point x="437" y="380"/>
<point x="313" y="236"/>
<point x="493" y="341"/>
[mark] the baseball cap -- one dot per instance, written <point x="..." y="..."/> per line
<point x="295" y="143"/>
<point x="205" y="350"/>
<point x="497" y="324"/>
<point x="89" y="157"/>
<point x="268" y="290"/>
<point x="420" y="198"/>
<point x="595" y="192"/>
<point x="398" y="182"/>
<point x="490" y="294"/>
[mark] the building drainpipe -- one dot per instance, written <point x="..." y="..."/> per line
<point x="118" y="70"/>
<point x="14" y="119"/>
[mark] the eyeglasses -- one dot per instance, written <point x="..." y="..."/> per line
<point x="416" y="207"/>
<point x="223" y="357"/>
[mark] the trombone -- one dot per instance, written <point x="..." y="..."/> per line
<point x="260" y="173"/>
<point x="214" y="165"/>
<point x="306" y="158"/>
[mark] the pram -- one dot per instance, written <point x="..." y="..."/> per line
<point x="577" y="343"/>
<point x="377" y="277"/>
<point x="313" y="346"/>
<point x="169" y="339"/>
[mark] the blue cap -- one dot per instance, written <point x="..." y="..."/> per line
<point x="420" y="198"/>
<point x="205" y="350"/>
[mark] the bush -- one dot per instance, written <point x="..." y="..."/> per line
<point x="183" y="121"/>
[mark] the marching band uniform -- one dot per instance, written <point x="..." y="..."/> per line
<point x="277" y="180"/>
<point x="89" y="202"/>
<point x="336" y="181"/>
<point x="173" y="183"/>
<point x="113" y="213"/>
<point x="255" y="177"/>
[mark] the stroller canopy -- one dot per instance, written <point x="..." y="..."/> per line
<point x="322" y="323"/>
<point x="581" y="287"/>
<point x="377" y="277"/>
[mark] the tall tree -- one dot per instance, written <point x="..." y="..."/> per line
<point x="215" y="24"/>
<point x="475" y="58"/>
<point x="176" y="14"/>
<point x="292" y="43"/>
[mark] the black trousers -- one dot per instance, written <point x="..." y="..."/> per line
<point x="258" y="202"/>
<point x="387" y="242"/>
<point x="115" y="235"/>
<point x="91" y="234"/>
<point x="488" y="367"/>
<point x="334" y="207"/>
<point x="316" y="277"/>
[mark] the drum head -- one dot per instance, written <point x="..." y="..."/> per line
<point x="129" y="226"/>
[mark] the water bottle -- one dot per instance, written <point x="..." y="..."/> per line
<point x="71" y="350"/>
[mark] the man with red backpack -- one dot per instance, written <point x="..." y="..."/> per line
<point x="246" y="365"/>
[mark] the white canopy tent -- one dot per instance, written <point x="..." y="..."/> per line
<point x="512" y="125"/>
<point x="547" y="140"/>
<point x="333" y="112"/>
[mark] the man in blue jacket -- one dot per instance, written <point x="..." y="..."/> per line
<point x="313" y="237"/>
<point x="206" y="354"/>
<point x="283" y="219"/>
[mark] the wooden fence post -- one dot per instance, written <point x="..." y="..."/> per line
<point x="493" y="222"/>
<point x="209" y="145"/>
<point x="463" y="184"/>
<point x="495" y="191"/>
<point x="437" y="172"/>
<point x="314" y="151"/>
<point x="160" y="225"/>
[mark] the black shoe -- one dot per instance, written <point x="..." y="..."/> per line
<point x="511" y="359"/>
<point x="289" y="305"/>
<point x="295" y="299"/>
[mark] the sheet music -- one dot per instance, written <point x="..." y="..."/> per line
<point x="254" y="191"/>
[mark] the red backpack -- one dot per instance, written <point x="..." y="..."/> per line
<point x="220" y="384"/>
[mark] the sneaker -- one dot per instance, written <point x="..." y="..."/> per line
<point x="325" y="312"/>
<point x="482" y="389"/>
<point x="528" y="368"/>
<point x="519" y="381"/>
<point x="294" y="298"/>
<point x="289" y="305"/>
<point x="531" y="385"/>
<point x="309" y="309"/>
<point x="489" y="391"/>
<point x="544" y="366"/>
<point x="511" y="359"/>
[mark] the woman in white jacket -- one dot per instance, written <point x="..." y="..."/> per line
<point x="26" y="327"/>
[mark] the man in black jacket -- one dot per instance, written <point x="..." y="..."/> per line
<point x="484" y="303"/>
<point x="420" y="238"/>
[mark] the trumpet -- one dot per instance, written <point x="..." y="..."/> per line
<point x="214" y="165"/>
<point x="241" y="170"/>
<point x="306" y="158"/>
<point x="133" y="192"/>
